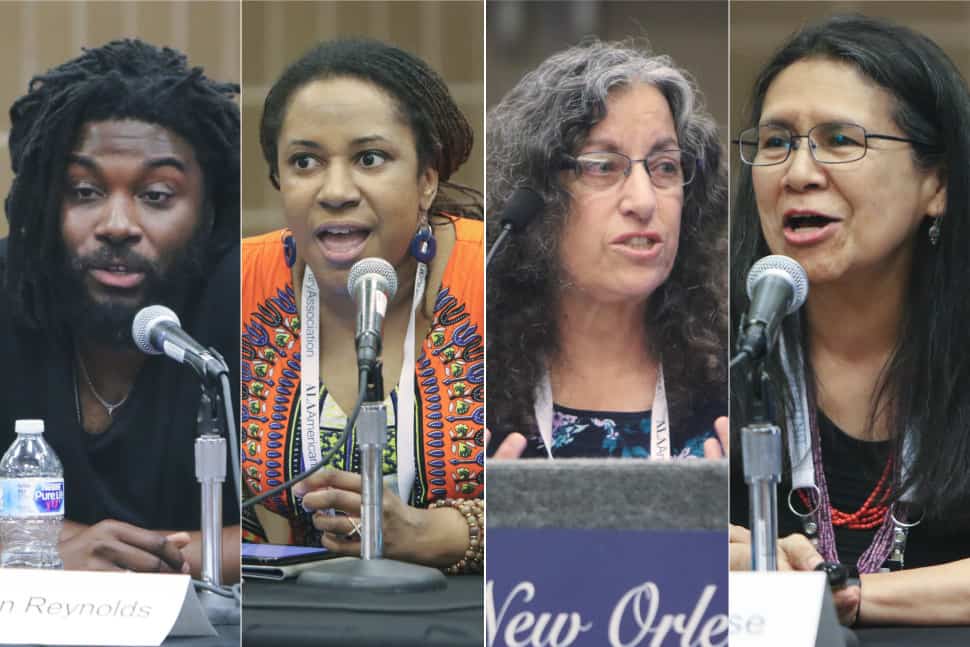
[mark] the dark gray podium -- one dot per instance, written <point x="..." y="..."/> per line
<point x="606" y="551"/>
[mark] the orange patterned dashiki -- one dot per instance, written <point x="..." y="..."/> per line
<point x="449" y="384"/>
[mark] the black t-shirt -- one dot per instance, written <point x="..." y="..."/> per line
<point x="142" y="469"/>
<point x="852" y="469"/>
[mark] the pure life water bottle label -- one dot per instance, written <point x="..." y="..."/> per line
<point x="32" y="497"/>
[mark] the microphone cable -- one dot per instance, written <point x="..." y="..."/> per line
<point x="233" y="591"/>
<point x="522" y="207"/>
<point x="739" y="358"/>
<point x="351" y="421"/>
<point x="232" y="437"/>
<point x="506" y="228"/>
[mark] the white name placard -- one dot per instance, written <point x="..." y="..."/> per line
<point x="780" y="608"/>
<point x="89" y="608"/>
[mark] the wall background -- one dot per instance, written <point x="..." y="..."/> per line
<point x="694" y="33"/>
<point x="759" y="28"/>
<point x="39" y="35"/>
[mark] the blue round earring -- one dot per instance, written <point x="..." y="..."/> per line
<point x="289" y="250"/>
<point x="423" y="245"/>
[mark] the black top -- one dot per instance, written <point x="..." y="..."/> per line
<point x="141" y="470"/>
<point x="852" y="469"/>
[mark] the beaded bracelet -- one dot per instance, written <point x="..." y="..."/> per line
<point x="473" y="510"/>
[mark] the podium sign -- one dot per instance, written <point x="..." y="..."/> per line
<point x="596" y="587"/>
<point x="783" y="608"/>
<point x="94" y="608"/>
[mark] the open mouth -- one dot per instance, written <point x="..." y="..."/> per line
<point x="118" y="275"/>
<point x="640" y="242"/>
<point x="807" y="220"/>
<point x="342" y="242"/>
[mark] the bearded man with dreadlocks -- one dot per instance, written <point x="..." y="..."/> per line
<point x="126" y="194"/>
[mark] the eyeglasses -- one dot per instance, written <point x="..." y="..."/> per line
<point x="601" y="170"/>
<point x="829" y="143"/>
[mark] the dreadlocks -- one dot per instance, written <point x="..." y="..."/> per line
<point x="125" y="79"/>
<point x="444" y="138"/>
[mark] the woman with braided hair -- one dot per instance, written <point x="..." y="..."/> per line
<point x="360" y="139"/>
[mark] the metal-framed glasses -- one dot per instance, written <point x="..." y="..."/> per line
<point x="829" y="143"/>
<point x="602" y="170"/>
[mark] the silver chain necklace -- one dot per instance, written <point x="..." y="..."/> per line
<point x="108" y="406"/>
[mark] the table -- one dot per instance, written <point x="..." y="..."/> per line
<point x="279" y="614"/>
<point x="228" y="637"/>
<point x="908" y="636"/>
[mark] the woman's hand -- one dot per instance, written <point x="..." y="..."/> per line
<point x="795" y="553"/>
<point x="436" y="537"/>
<point x="847" y="603"/>
<point x="719" y="447"/>
<point x="512" y="447"/>
<point x="739" y="548"/>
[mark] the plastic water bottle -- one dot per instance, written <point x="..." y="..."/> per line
<point x="31" y="500"/>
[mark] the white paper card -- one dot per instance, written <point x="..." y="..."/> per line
<point x="89" y="608"/>
<point x="192" y="620"/>
<point x="771" y="609"/>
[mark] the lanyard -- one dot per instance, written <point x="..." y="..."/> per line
<point x="890" y="540"/>
<point x="310" y="383"/>
<point x="659" y="423"/>
<point x="799" y="431"/>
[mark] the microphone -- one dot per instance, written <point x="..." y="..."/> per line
<point x="158" y="331"/>
<point x="523" y="206"/>
<point x="777" y="287"/>
<point x="371" y="283"/>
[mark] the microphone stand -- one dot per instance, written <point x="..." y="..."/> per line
<point x="372" y="429"/>
<point x="210" y="471"/>
<point x="373" y="572"/>
<point x="761" y="455"/>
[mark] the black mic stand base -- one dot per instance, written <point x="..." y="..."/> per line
<point x="220" y="610"/>
<point x="377" y="575"/>
<point x="372" y="572"/>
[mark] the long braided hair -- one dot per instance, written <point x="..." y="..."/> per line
<point x="124" y="79"/>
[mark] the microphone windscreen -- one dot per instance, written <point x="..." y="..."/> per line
<point x="523" y="206"/>
<point x="781" y="266"/>
<point x="145" y="320"/>
<point x="372" y="266"/>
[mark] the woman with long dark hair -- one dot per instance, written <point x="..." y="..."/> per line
<point x="361" y="139"/>
<point x="855" y="164"/>
<point x="607" y="325"/>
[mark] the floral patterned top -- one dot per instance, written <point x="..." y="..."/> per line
<point x="578" y="433"/>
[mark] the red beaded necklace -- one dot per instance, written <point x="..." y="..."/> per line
<point x="873" y="512"/>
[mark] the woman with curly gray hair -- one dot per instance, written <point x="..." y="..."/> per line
<point x="607" y="324"/>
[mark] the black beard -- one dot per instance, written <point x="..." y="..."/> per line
<point x="108" y="322"/>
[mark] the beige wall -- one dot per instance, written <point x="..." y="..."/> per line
<point x="448" y="35"/>
<point x="36" y="36"/>
<point x="694" y="34"/>
<point x="758" y="28"/>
